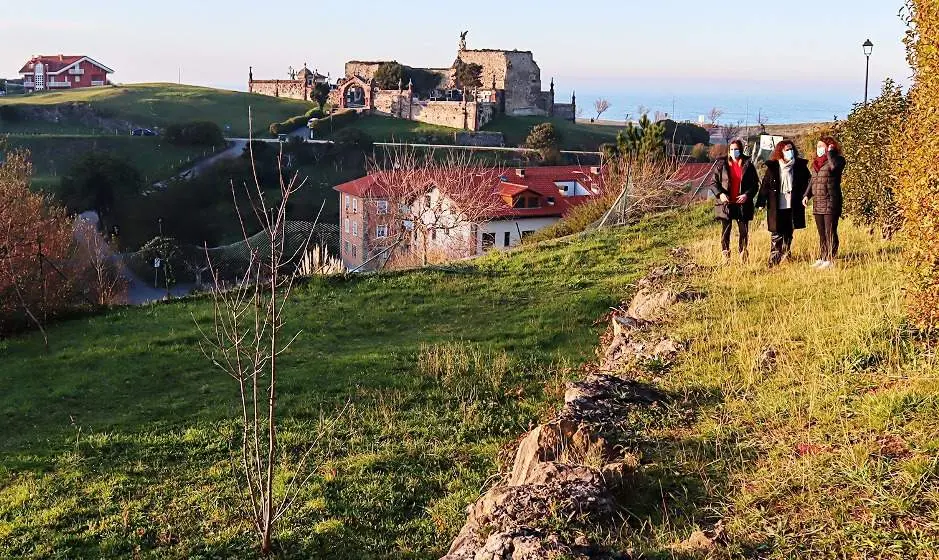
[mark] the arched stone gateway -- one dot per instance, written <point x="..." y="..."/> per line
<point x="355" y="93"/>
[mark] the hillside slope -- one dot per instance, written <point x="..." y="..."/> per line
<point x="158" y="105"/>
<point x="115" y="442"/>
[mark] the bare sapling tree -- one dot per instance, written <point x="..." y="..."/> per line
<point x="646" y="184"/>
<point x="601" y="106"/>
<point x="714" y="115"/>
<point x="102" y="270"/>
<point x="247" y="340"/>
<point x="430" y="204"/>
<point x="731" y="131"/>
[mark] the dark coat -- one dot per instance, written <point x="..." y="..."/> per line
<point x="825" y="187"/>
<point x="749" y="185"/>
<point x="769" y="194"/>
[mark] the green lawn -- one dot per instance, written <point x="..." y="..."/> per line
<point x="389" y="129"/>
<point x="52" y="155"/>
<point x="162" y="104"/>
<point x="116" y="442"/>
<point x="574" y="136"/>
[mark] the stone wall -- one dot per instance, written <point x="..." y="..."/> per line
<point x="445" y="113"/>
<point x="566" y="111"/>
<point x="362" y="69"/>
<point x="517" y="73"/>
<point x="289" y="89"/>
<point x="494" y="139"/>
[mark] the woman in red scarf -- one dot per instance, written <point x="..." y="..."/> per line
<point x="825" y="190"/>
<point x="735" y="185"/>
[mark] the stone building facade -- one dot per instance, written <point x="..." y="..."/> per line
<point x="511" y="85"/>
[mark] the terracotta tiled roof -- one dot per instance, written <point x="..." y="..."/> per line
<point x="512" y="182"/>
<point x="56" y="63"/>
<point x="692" y="172"/>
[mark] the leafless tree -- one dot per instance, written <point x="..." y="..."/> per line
<point x="102" y="271"/>
<point x="731" y="131"/>
<point x="761" y="121"/>
<point x="601" y="106"/>
<point x="246" y="341"/>
<point x="431" y="203"/>
<point x="645" y="185"/>
<point x="714" y="115"/>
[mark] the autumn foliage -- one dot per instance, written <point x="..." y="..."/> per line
<point x="916" y="154"/>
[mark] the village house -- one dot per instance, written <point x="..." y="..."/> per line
<point x="372" y="231"/>
<point x="63" y="72"/>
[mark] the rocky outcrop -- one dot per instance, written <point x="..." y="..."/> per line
<point x="567" y="470"/>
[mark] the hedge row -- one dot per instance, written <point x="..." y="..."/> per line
<point x="334" y="122"/>
<point x="199" y="133"/>
<point x="294" y="123"/>
<point x="915" y="154"/>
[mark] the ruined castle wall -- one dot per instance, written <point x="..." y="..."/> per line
<point x="566" y="111"/>
<point x="390" y="103"/>
<point x="445" y="113"/>
<point x="523" y="94"/>
<point x="289" y="89"/>
<point x="364" y="70"/>
<point x="494" y="63"/>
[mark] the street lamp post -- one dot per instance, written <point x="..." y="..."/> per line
<point x="868" y="49"/>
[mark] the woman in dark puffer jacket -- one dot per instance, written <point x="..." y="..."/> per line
<point x="825" y="190"/>
<point x="784" y="184"/>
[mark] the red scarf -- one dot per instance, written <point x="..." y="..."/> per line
<point x="820" y="162"/>
<point x="735" y="167"/>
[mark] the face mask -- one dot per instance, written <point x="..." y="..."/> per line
<point x="735" y="153"/>
<point x="788" y="155"/>
<point x="821" y="152"/>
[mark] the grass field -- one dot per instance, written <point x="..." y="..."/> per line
<point x="388" y="129"/>
<point x="53" y="155"/>
<point x="574" y="136"/>
<point x="116" y="442"/>
<point x="162" y="104"/>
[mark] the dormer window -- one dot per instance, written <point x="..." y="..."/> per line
<point x="550" y="201"/>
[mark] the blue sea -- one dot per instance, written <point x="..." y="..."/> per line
<point x="775" y="108"/>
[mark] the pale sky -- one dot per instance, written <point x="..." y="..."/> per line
<point x="604" y="45"/>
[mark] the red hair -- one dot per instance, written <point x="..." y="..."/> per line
<point x="829" y="140"/>
<point x="781" y="147"/>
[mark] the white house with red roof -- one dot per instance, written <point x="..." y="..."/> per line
<point x="61" y="71"/>
<point x="524" y="201"/>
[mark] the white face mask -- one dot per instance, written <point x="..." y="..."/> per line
<point x="820" y="151"/>
<point x="788" y="154"/>
<point x="735" y="153"/>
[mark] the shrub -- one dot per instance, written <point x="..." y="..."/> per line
<point x="717" y="151"/>
<point x="699" y="153"/>
<point x="334" y="122"/>
<point x="314" y="113"/>
<point x="546" y="139"/>
<point x="9" y="113"/>
<point x="866" y="137"/>
<point x="685" y="133"/>
<point x="32" y="224"/>
<point x="289" y="125"/>
<point x="100" y="181"/>
<point x="916" y="154"/>
<point x="199" y="133"/>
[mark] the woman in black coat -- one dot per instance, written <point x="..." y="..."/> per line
<point x="825" y="190"/>
<point x="735" y="185"/>
<point x="784" y="185"/>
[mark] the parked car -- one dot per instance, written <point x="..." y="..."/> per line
<point x="142" y="132"/>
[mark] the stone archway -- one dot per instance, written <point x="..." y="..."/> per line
<point x="355" y="93"/>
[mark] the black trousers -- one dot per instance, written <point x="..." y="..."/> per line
<point x="743" y="228"/>
<point x="828" y="241"/>
<point x="781" y="239"/>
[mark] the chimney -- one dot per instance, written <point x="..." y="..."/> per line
<point x="595" y="170"/>
<point x="520" y="172"/>
<point x="61" y="57"/>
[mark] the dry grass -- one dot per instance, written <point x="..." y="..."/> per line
<point x="831" y="451"/>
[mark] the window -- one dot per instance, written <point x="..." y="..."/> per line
<point x="355" y="205"/>
<point x="347" y="225"/>
<point x="381" y="206"/>
<point x="347" y="247"/>
<point x="355" y="229"/>
<point x="550" y="201"/>
<point x="489" y="241"/>
<point x="518" y="203"/>
<point x="381" y="231"/>
<point x="354" y="251"/>
<point x="533" y="202"/>
<point x="77" y="79"/>
<point x="508" y="239"/>
<point x="347" y="202"/>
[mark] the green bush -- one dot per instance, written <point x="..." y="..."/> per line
<point x="546" y="139"/>
<point x="685" y="133"/>
<point x="915" y="154"/>
<point x="9" y="113"/>
<point x="334" y="122"/>
<point x="199" y="133"/>
<point x="700" y="153"/>
<point x="289" y="125"/>
<point x="866" y="137"/>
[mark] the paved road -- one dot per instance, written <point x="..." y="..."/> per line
<point x="235" y="148"/>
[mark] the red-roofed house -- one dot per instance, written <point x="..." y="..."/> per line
<point x="63" y="72"/>
<point x="523" y="201"/>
